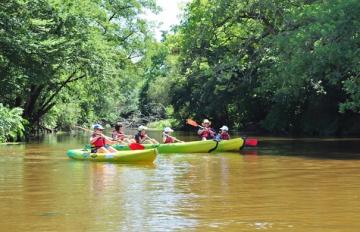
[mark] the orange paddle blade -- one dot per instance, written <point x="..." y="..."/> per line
<point x="251" y="142"/>
<point x="192" y="122"/>
<point x="136" y="146"/>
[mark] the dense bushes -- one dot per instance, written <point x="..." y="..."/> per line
<point x="289" y="67"/>
<point x="11" y="124"/>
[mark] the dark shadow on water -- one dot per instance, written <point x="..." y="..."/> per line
<point x="340" y="149"/>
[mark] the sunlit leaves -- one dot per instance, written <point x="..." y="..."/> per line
<point x="11" y="124"/>
<point x="47" y="46"/>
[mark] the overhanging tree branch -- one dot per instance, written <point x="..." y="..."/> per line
<point x="45" y="106"/>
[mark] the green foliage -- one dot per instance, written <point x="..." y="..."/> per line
<point x="284" y="66"/>
<point x="54" y="52"/>
<point x="159" y="75"/>
<point x="161" y="124"/>
<point x="352" y="88"/>
<point x="11" y="124"/>
<point x="308" y="68"/>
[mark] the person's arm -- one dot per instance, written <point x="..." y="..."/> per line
<point x="108" y="141"/>
<point x="200" y="131"/>
<point x="94" y="139"/>
<point x="152" y="141"/>
<point x="176" y="140"/>
<point x="114" y="135"/>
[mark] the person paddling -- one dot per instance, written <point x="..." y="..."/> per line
<point x="206" y="132"/>
<point x="167" y="138"/>
<point x="224" y="133"/>
<point x="142" y="137"/>
<point x="99" y="142"/>
<point x="118" y="134"/>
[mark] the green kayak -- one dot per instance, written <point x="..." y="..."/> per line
<point x="137" y="156"/>
<point x="193" y="147"/>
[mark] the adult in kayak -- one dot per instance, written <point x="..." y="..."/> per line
<point x="142" y="137"/>
<point x="167" y="138"/>
<point x="119" y="135"/>
<point x="99" y="142"/>
<point x="224" y="134"/>
<point x="206" y="132"/>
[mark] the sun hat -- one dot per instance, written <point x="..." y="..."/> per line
<point x="168" y="129"/>
<point x="224" y="128"/>
<point x="140" y="128"/>
<point x="98" y="127"/>
<point x="206" y="121"/>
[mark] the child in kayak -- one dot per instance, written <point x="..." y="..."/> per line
<point x="206" y="132"/>
<point x="142" y="137"/>
<point x="224" y="134"/>
<point x="118" y="134"/>
<point x="167" y="138"/>
<point x="99" y="142"/>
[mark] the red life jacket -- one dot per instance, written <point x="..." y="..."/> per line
<point x="169" y="139"/>
<point x="224" y="136"/>
<point x="100" y="142"/>
<point x="207" y="134"/>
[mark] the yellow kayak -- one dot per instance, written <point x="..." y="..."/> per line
<point x="132" y="156"/>
<point x="193" y="147"/>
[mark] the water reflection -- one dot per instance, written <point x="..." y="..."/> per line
<point x="278" y="187"/>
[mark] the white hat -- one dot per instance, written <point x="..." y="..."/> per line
<point x="224" y="128"/>
<point x="98" y="127"/>
<point x="140" y="128"/>
<point x="206" y="121"/>
<point x="168" y="129"/>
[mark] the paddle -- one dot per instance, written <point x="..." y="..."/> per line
<point x="152" y="140"/>
<point x="173" y="138"/>
<point x="132" y="146"/>
<point x="248" y="142"/>
<point x="85" y="129"/>
<point x="193" y="123"/>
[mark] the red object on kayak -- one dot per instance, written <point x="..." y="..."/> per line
<point x="251" y="142"/>
<point x="136" y="146"/>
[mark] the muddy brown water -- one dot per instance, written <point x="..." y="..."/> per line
<point x="283" y="185"/>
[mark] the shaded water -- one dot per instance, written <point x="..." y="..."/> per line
<point x="284" y="185"/>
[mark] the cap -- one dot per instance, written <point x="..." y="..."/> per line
<point x="140" y="128"/>
<point x="168" y="129"/>
<point x="98" y="127"/>
<point x="224" y="128"/>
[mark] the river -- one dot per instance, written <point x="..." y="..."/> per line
<point x="283" y="185"/>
